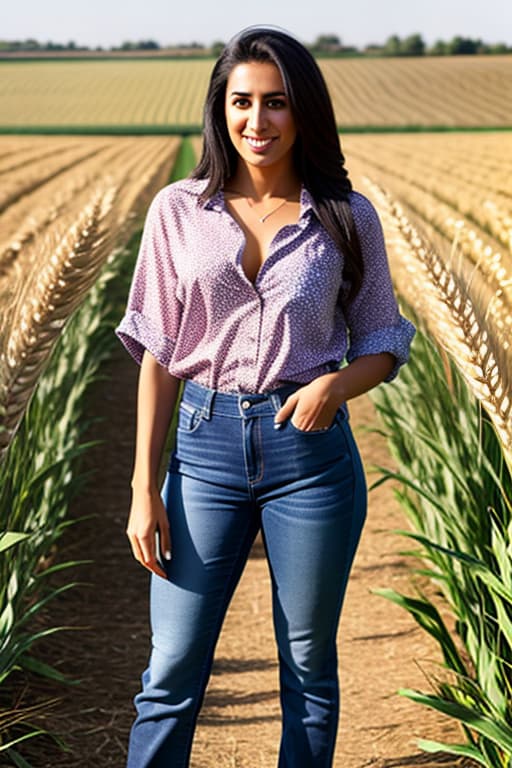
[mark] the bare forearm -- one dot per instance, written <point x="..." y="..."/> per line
<point x="361" y="375"/>
<point x="156" y="398"/>
<point x="314" y="405"/>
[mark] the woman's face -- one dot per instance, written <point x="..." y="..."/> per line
<point x="258" y="115"/>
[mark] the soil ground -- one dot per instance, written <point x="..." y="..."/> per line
<point x="381" y="648"/>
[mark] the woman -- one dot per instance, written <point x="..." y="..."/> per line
<point x="255" y="278"/>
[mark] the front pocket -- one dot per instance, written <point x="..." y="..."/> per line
<point x="189" y="418"/>
<point x="311" y="432"/>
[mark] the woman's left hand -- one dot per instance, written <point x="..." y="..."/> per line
<point x="313" y="406"/>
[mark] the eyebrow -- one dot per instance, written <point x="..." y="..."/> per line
<point x="265" y="95"/>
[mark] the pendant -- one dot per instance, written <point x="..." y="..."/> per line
<point x="262" y="219"/>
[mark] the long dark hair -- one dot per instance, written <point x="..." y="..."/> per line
<point x="318" y="158"/>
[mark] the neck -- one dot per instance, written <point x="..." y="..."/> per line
<point x="261" y="183"/>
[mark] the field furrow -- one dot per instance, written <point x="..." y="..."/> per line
<point x="33" y="229"/>
<point x="450" y="91"/>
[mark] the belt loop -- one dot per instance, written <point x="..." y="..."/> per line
<point x="276" y="401"/>
<point x="207" y="405"/>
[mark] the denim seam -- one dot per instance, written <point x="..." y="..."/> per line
<point x="350" y="446"/>
<point x="260" y="454"/>
<point x="250" y="489"/>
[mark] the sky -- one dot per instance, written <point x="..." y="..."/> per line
<point x="359" y="22"/>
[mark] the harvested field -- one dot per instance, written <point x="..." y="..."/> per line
<point x="421" y="91"/>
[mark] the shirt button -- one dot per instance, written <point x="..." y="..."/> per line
<point x="246" y="404"/>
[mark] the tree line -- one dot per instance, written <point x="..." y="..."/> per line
<point x="412" y="45"/>
<point x="324" y="45"/>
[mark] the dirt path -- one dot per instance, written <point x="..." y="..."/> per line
<point x="380" y="647"/>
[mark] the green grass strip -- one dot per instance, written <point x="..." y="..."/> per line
<point x="416" y="128"/>
<point x="185" y="160"/>
<point x="104" y="130"/>
<point x="175" y="129"/>
<point x="6" y="59"/>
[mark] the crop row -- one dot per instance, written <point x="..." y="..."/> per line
<point x="67" y="204"/>
<point x="455" y="191"/>
<point x="453" y="91"/>
<point x="84" y="198"/>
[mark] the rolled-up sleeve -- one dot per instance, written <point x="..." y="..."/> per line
<point x="374" y="321"/>
<point x="153" y="312"/>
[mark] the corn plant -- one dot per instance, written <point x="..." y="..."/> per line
<point x="38" y="478"/>
<point x="456" y="490"/>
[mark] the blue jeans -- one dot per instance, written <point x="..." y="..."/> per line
<point x="230" y="475"/>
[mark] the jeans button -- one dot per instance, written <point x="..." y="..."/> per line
<point x="246" y="404"/>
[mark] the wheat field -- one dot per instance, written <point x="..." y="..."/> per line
<point x="429" y="91"/>
<point x="67" y="205"/>
<point x="453" y="192"/>
<point x="446" y="205"/>
<point x="71" y="204"/>
<point x="457" y="187"/>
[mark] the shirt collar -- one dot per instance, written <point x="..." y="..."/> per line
<point x="307" y="204"/>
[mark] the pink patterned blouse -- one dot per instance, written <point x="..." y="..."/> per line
<point x="192" y="306"/>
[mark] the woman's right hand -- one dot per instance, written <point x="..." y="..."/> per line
<point x="147" y="516"/>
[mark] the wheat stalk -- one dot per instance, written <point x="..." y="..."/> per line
<point x="39" y="317"/>
<point x="477" y="346"/>
<point x="44" y="276"/>
<point x="138" y="164"/>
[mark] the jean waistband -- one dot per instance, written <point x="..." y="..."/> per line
<point x="212" y="401"/>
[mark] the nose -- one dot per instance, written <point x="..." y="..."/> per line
<point x="257" y="119"/>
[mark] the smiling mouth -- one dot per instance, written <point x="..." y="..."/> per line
<point x="258" y="143"/>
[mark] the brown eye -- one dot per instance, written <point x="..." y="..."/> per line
<point x="276" y="104"/>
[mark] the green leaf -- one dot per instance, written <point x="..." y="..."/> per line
<point x="18" y="760"/>
<point x="16" y="650"/>
<point x="45" y="670"/>
<point x="494" y="583"/>
<point x="464" y="750"/>
<point x="501" y="735"/>
<point x="462" y="556"/>
<point x="61" y="566"/>
<point x="414" y="486"/>
<point x="428" y="617"/>
<point x="46" y="599"/>
<point x="4" y="747"/>
<point x="11" y="538"/>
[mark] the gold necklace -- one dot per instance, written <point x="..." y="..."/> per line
<point x="261" y="219"/>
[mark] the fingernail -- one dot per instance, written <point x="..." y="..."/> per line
<point x="167" y="555"/>
<point x="278" y="424"/>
